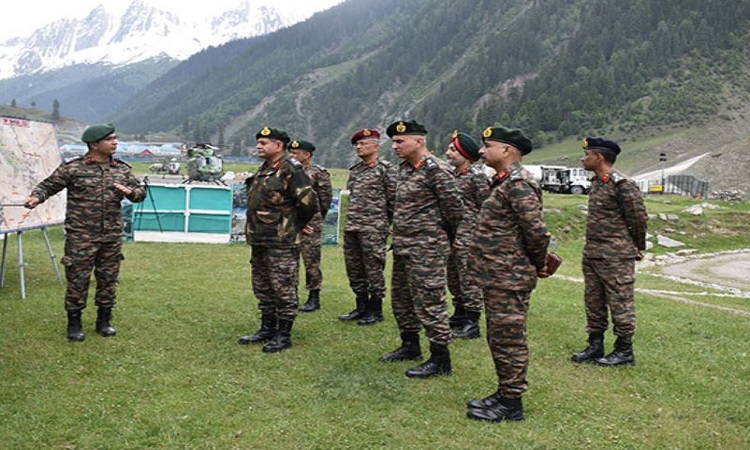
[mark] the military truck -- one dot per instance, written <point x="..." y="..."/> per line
<point x="561" y="179"/>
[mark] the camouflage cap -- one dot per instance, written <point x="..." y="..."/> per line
<point x="401" y="127"/>
<point x="302" y="145"/>
<point x="466" y="145"/>
<point x="272" y="133"/>
<point x="96" y="133"/>
<point x="511" y="136"/>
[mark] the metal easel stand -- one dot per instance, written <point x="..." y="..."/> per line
<point x="22" y="264"/>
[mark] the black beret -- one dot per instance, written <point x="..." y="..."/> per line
<point x="96" y="133"/>
<point x="466" y="145"/>
<point x="367" y="133"/>
<point x="511" y="136"/>
<point x="273" y="133"/>
<point x="401" y="127"/>
<point x="302" y="145"/>
<point x="601" y="144"/>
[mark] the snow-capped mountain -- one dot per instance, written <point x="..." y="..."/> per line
<point x="138" y="33"/>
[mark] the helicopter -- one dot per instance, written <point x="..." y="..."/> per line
<point x="171" y="167"/>
<point x="204" y="164"/>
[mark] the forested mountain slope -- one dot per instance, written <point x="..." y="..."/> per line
<point x="556" y="69"/>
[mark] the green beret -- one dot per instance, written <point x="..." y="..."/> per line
<point x="302" y="145"/>
<point x="96" y="133"/>
<point x="272" y="133"/>
<point x="511" y="136"/>
<point x="401" y="127"/>
<point x="466" y="145"/>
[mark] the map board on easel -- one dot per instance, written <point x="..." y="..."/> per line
<point x="28" y="154"/>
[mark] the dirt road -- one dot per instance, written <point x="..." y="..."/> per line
<point x="726" y="269"/>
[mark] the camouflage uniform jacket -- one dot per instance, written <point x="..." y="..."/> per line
<point x="428" y="205"/>
<point x="474" y="187"/>
<point x="617" y="219"/>
<point x="321" y="183"/>
<point x="280" y="202"/>
<point x="511" y="238"/>
<point x="372" y="195"/>
<point x="94" y="208"/>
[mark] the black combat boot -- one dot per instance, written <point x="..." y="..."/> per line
<point x="622" y="355"/>
<point x="373" y="312"/>
<point x="282" y="340"/>
<point x="469" y="329"/>
<point x="104" y="322"/>
<point x="593" y="351"/>
<point x="357" y="312"/>
<point x="267" y="330"/>
<point x="503" y="409"/>
<point x="409" y="350"/>
<point x="313" y="301"/>
<point x="75" y="329"/>
<point x="484" y="403"/>
<point x="438" y="364"/>
<point x="457" y="319"/>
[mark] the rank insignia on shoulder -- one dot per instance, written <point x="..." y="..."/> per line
<point x="116" y="161"/>
<point x="616" y="177"/>
<point x="516" y="175"/>
<point x="430" y="163"/>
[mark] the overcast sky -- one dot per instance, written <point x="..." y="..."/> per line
<point x="23" y="17"/>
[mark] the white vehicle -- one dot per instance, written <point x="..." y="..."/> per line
<point x="561" y="179"/>
<point x="172" y="167"/>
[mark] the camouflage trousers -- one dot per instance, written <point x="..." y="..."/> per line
<point x="364" y="255"/>
<point x="609" y="286"/>
<point x="506" y="336"/>
<point x="465" y="293"/>
<point x="310" y="247"/>
<point x="418" y="292"/>
<point x="82" y="255"/>
<point x="275" y="274"/>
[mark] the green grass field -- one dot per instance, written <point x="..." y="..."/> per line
<point x="175" y="378"/>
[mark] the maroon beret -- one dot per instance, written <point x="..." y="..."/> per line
<point x="367" y="133"/>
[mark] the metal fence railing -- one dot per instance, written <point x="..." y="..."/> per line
<point x="687" y="185"/>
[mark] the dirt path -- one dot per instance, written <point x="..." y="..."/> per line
<point x="726" y="269"/>
<point x="728" y="273"/>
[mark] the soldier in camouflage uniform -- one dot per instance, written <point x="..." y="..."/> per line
<point x="615" y="239"/>
<point x="280" y="203"/>
<point x="427" y="214"/>
<point x="372" y="192"/>
<point x="509" y="254"/>
<point x="474" y="187"/>
<point x="96" y="183"/>
<point x="312" y="235"/>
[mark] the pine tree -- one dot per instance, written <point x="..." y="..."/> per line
<point x="55" y="111"/>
